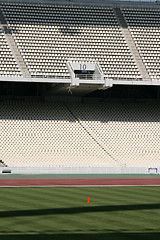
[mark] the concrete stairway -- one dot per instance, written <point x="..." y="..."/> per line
<point x="131" y="44"/>
<point x="11" y="43"/>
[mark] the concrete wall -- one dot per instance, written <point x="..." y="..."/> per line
<point x="108" y="3"/>
<point x="80" y="170"/>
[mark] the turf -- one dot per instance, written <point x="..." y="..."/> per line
<point x="63" y="213"/>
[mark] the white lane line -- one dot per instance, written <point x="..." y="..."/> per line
<point x="83" y="186"/>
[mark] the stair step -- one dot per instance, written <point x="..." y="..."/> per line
<point x="13" y="47"/>
<point x="131" y="43"/>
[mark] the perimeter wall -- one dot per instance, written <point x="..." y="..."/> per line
<point x="79" y="170"/>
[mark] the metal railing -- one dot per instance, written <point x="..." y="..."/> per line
<point x="128" y="78"/>
<point x="125" y="78"/>
<point x="39" y="75"/>
<point x="88" y="76"/>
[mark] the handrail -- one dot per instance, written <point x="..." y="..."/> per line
<point x="49" y="76"/>
<point x="88" y="76"/>
<point x="128" y="78"/>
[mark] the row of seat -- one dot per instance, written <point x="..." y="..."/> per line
<point x="108" y="45"/>
<point x="8" y="65"/>
<point x="146" y="39"/>
<point x="34" y="41"/>
<point x="105" y="135"/>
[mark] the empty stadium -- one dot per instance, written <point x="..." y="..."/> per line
<point x="79" y="84"/>
<point x="79" y="119"/>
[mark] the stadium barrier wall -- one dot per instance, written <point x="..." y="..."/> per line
<point x="102" y="3"/>
<point x="77" y="170"/>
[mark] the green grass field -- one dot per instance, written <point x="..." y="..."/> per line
<point x="63" y="213"/>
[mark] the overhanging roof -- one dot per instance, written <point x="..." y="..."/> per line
<point x="81" y="81"/>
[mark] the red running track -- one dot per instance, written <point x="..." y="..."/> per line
<point x="78" y="182"/>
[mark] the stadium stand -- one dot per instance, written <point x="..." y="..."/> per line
<point x="144" y="26"/>
<point x="47" y="36"/>
<point x="8" y="65"/>
<point x="50" y="35"/>
<point x="36" y="42"/>
<point x="36" y="134"/>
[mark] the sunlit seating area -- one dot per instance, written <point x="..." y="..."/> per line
<point x="144" y="25"/>
<point x="48" y="36"/>
<point x="38" y="134"/>
<point x="8" y="65"/>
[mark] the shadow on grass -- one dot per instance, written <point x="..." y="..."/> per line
<point x="84" y="236"/>
<point x="87" y="209"/>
